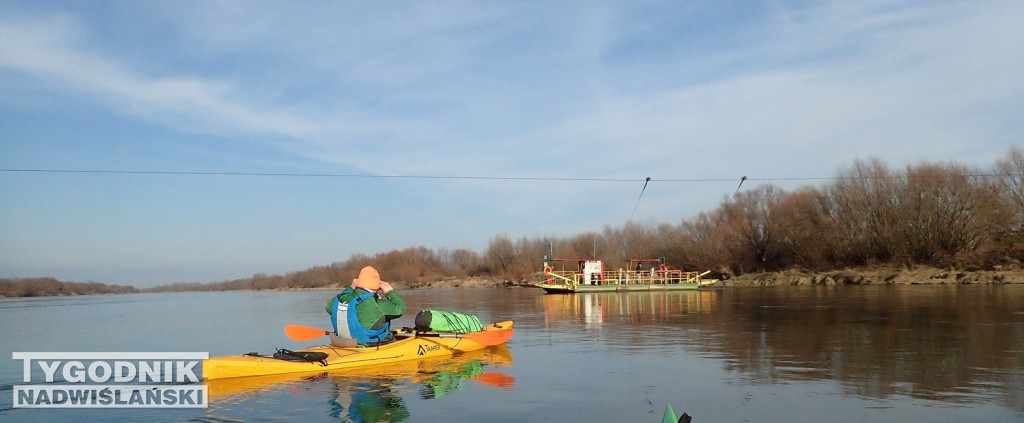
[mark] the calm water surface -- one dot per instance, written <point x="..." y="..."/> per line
<point x="838" y="354"/>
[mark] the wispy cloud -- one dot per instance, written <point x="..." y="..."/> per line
<point x="487" y="90"/>
<point x="55" y="49"/>
<point x="435" y="82"/>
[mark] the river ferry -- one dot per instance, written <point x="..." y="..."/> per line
<point x="564" y="276"/>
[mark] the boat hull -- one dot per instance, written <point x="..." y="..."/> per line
<point x="409" y="346"/>
<point x="416" y="370"/>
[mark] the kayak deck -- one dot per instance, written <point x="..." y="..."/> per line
<point x="411" y="345"/>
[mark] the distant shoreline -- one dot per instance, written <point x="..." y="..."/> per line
<point x="875" y="276"/>
<point x="919" y="275"/>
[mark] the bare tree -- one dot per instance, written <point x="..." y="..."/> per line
<point x="1010" y="176"/>
<point x="465" y="262"/>
<point x="863" y="205"/>
<point x="1010" y="173"/>
<point x="705" y="240"/>
<point x="500" y="254"/>
<point x="946" y="211"/>
<point x="806" y="235"/>
<point x="752" y="231"/>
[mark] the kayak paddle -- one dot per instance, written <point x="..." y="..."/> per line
<point x="304" y="333"/>
<point x="484" y="337"/>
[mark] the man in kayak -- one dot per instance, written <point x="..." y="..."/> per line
<point x="362" y="313"/>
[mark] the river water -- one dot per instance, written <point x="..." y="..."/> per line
<point x="837" y="354"/>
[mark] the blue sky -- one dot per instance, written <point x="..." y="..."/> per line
<point x="539" y="95"/>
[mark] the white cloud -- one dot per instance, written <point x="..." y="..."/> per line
<point x="52" y="49"/>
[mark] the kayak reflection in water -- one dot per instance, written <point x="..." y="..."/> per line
<point x="381" y="400"/>
<point x="446" y="381"/>
<point x="368" y="402"/>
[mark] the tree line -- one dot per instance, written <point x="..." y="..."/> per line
<point x="40" y="287"/>
<point x="946" y="215"/>
<point x="938" y="214"/>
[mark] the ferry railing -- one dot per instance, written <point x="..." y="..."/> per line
<point x="564" y="276"/>
<point x="656" y="277"/>
<point x="630" y="277"/>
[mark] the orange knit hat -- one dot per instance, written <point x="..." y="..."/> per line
<point x="369" y="279"/>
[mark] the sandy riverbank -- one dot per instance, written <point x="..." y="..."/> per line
<point x="880" y="276"/>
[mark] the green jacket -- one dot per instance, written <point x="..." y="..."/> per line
<point x="373" y="314"/>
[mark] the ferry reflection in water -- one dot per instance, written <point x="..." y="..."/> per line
<point x="595" y="309"/>
<point x="370" y="394"/>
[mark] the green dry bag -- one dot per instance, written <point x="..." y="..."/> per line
<point x="447" y="321"/>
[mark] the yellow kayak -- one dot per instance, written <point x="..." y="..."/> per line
<point x="411" y="345"/>
<point x="415" y="371"/>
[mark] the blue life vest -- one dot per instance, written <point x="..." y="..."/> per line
<point x="346" y="321"/>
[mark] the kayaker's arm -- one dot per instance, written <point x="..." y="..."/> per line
<point x="394" y="307"/>
<point x="387" y="306"/>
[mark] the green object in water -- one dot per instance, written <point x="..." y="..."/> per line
<point x="670" y="415"/>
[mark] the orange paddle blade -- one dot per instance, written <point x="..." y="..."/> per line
<point x="490" y="337"/>
<point x="496" y="379"/>
<point x="303" y="333"/>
